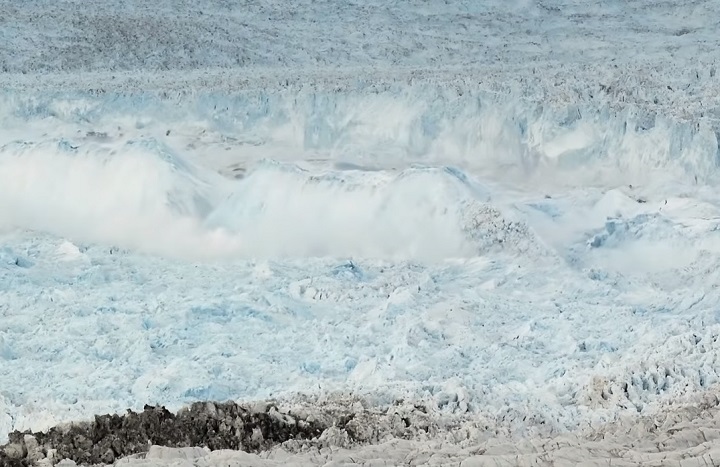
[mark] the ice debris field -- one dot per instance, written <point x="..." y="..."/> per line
<point x="521" y="230"/>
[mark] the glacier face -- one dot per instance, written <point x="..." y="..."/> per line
<point x="354" y="173"/>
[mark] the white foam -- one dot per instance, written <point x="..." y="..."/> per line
<point x="132" y="196"/>
<point x="416" y="213"/>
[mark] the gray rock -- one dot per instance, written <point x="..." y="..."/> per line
<point x="34" y="450"/>
<point x="109" y="437"/>
<point x="15" y="450"/>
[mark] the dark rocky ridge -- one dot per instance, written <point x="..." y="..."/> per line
<point x="203" y="424"/>
<point x="342" y="421"/>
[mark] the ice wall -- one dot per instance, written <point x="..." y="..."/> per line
<point x="127" y="168"/>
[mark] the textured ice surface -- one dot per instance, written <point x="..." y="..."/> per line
<point x="511" y="217"/>
<point x="83" y="36"/>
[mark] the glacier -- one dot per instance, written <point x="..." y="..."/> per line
<point x="474" y="250"/>
<point x="503" y="212"/>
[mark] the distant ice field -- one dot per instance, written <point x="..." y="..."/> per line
<point x="546" y="267"/>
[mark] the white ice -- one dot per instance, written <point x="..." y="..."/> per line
<point x="503" y="210"/>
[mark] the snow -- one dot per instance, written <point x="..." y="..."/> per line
<point x="504" y="216"/>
